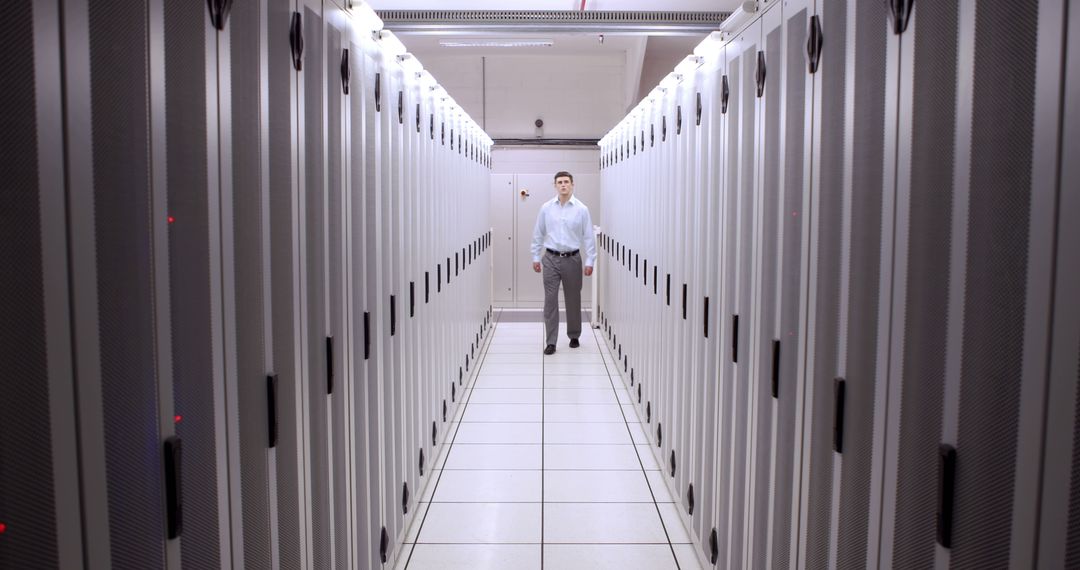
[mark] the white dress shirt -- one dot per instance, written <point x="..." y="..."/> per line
<point x="563" y="228"/>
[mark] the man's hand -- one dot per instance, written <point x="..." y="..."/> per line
<point x="588" y="270"/>
<point x="536" y="266"/>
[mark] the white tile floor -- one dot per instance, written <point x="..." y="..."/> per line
<point x="548" y="469"/>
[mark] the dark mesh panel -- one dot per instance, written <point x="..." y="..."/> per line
<point x="315" y="264"/>
<point x="189" y="278"/>
<point x="928" y="277"/>
<point x="792" y="216"/>
<point x="868" y="145"/>
<point x="774" y="56"/>
<point x="1072" y="548"/>
<point x="250" y="276"/>
<point x="998" y="220"/>
<point x="122" y="212"/>
<point x="829" y="222"/>
<point x="26" y="481"/>
<point x="285" y="328"/>
<point x="339" y="473"/>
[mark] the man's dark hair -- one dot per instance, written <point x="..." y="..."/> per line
<point x="566" y="174"/>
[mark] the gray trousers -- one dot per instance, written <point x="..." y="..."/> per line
<point x="565" y="270"/>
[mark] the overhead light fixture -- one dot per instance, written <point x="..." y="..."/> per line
<point x="494" y="43"/>
<point x="739" y="17"/>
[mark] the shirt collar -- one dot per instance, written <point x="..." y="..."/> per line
<point x="572" y="200"/>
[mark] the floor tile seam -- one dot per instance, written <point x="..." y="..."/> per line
<point x="543" y="418"/>
<point x="450" y="446"/>
<point x="548" y="502"/>
<point x="635" y="543"/>
<point x="644" y="472"/>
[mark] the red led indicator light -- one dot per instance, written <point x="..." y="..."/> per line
<point x="177" y="418"/>
<point x="171" y="219"/>
<point x="3" y="528"/>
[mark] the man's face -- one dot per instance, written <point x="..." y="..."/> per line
<point x="564" y="186"/>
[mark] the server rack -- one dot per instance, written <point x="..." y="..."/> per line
<point x="217" y="207"/>
<point x="860" y="157"/>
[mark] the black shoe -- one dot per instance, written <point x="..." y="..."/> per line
<point x="549" y="349"/>
<point x="574" y="343"/>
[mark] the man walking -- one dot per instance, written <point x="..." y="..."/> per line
<point x="562" y="230"/>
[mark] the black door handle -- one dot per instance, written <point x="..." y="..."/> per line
<point x="296" y="41"/>
<point x="814" y="44"/>
<point x="346" y="71"/>
<point x="900" y="14"/>
<point x="378" y="92"/>
<point x="725" y="95"/>
<point x="271" y="411"/>
<point x="760" y="73"/>
<point x="174" y="500"/>
<point x="698" y="109"/>
<point x="219" y="12"/>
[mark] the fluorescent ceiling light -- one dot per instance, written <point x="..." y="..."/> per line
<point x="739" y="17"/>
<point x="495" y="43"/>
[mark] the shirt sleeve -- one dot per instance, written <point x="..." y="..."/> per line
<point x="538" y="236"/>
<point x="588" y="238"/>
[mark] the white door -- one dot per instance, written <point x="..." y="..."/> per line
<point x="503" y="206"/>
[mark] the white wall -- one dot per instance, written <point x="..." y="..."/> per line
<point x="532" y="169"/>
<point x="577" y="96"/>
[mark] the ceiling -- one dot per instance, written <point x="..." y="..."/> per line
<point x="564" y="44"/>
<point x="644" y="5"/>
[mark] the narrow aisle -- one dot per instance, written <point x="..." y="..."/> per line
<point x="548" y="468"/>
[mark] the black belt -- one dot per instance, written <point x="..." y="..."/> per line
<point x="561" y="254"/>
